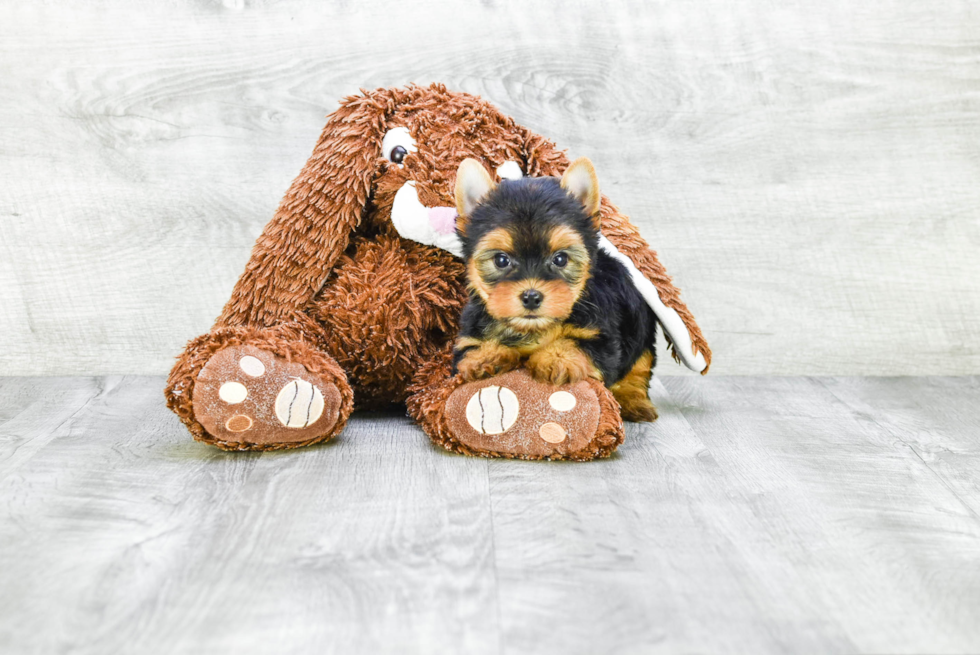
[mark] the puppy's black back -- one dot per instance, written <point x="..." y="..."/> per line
<point x="627" y="325"/>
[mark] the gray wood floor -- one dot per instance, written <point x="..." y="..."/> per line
<point x="757" y="515"/>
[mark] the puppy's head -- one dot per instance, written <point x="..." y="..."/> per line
<point x="528" y="243"/>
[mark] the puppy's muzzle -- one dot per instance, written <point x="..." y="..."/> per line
<point x="531" y="298"/>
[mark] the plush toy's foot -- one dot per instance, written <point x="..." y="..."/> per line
<point x="243" y="388"/>
<point x="512" y="415"/>
<point x="246" y="397"/>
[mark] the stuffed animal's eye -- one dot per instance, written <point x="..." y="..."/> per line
<point x="396" y="145"/>
<point x="560" y="260"/>
<point x="500" y="260"/>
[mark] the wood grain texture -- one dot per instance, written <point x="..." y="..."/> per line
<point x="808" y="172"/>
<point x="757" y="515"/>
<point x="122" y="535"/>
<point x="862" y="526"/>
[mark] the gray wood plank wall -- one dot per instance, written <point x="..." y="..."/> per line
<point x="808" y="171"/>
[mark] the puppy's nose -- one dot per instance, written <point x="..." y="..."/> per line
<point x="531" y="299"/>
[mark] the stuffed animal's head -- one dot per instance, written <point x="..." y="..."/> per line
<point x="394" y="155"/>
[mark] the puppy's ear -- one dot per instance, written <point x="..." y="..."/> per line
<point x="580" y="180"/>
<point x="473" y="183"/>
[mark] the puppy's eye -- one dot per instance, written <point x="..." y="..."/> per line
<point x="500" y="260"/>
<point x="396" y="145"/>
<point x="560" y="260"/>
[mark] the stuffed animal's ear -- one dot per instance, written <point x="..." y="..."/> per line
<point x="581" y="181"/>
<point x="313" y="225"/>
<point x="473" y="183"/>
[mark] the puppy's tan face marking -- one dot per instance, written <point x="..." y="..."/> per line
<point x="499" y="239"/>
<point x="501" y="287"/>
<point x="564" y="239"/>
<point x="481" y="270"/>
<point x="504" y="303"/>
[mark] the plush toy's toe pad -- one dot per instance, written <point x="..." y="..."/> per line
<point x="245" y="395"/>
<point x="514" y="415"/>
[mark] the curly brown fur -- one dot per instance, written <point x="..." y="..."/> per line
<point x="378" y="327"/>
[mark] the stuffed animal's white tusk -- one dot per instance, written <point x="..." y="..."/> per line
<point x="671" y="322"/>
<point x="411" y="220"/>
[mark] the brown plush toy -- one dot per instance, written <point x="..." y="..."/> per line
<point x="352" y="296"/>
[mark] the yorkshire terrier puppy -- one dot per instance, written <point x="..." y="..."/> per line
<point x="543" y="293"/>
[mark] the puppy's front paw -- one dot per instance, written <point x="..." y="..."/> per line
<point x="561" y="363"/>
<point x="488" y="360"/>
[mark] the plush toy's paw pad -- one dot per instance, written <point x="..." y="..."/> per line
<point x="515" y="415"/>
<point x="245" y="395"/>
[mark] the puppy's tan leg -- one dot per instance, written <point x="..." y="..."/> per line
<point x="487" y="359"/>
<point x="632" y="392"/>
<point x="561" y="362"/>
